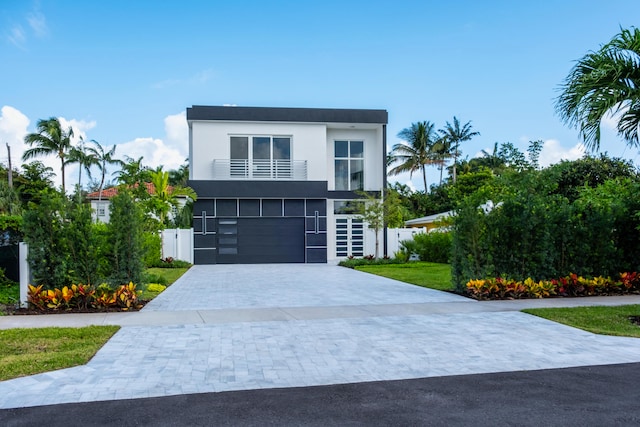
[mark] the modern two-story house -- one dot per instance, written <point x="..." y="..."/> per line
<point x="277" y="184"/>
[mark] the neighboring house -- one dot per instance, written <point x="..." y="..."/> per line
<point x="430" y="222"/>
<point x="101" y="207"/>
<point x="274" y="184"/>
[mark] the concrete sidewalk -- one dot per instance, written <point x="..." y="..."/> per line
<point x="148" y="317"/>
<point x="223" y="328"/>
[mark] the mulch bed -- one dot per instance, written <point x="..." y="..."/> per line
<point x="11" y="310"/>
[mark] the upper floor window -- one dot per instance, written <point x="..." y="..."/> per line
<point x="260" y="148"/>
<point x="349" y="165"/>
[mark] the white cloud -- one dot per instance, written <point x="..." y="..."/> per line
<point x="154" y="152"/>
<point x="552" y="152"/>
<point x="177" y="131"/>
<point x="80" y="128"/>
<point x="13" y="129"/>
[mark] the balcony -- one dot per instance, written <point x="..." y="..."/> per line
<point x="294" y="170"/>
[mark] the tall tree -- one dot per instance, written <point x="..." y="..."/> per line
<point x="417" y="152"/>
<point x="134" y="175"/>
<point x="84" y="157"/>
<point x="104" y="159"/>
<point x="601" y="84"/>
<point x="50" y="139"/>
<point x="455" y="135"/>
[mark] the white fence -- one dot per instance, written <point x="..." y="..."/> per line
<point x="177" y="243"/>
<point x="397" y="235"/>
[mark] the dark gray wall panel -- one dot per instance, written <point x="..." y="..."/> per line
<point x="293" y="207"/>
<point x="206" y="241"/>
<point x="204" y="256"/>
<point x="316" y="205"/>
<point x="250" y="207"/>
<point x="311" y="224"/>
<point x="203" y="205"/>
<point x="319" y="239"/>
<point x="272" y="207"/>
<point x="316" y="255"/>
<point x="259" y="189"/>
<point x="226" y="207"/>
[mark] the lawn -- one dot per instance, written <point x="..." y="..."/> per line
<point x="170" y="275"/>
<point x="163" y="276"/>
<point x="599" y="320"/>
<point x="425" y="274"/>
<point x="32" y="351"/>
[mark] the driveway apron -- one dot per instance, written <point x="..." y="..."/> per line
<point x="240" y="327"/>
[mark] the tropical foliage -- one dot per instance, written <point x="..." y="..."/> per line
<point x="605" y="84"/>
<point x="50" y="139"/>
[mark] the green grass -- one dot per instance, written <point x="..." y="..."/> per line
<point x="32" y="351"/>
<point x="164" y="276"/>
<point x="599" y="320"/>
<point x="425" y="274"/>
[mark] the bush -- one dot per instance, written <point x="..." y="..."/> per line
<point x="355" y="262"/>
<point x="125" y="232"/>
<point x="152" y="246"/>
<point x="525" y="229"/>
<point x="431" y="247"/>
<point x="169" y="263"/>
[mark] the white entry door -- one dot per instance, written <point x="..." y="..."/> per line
<point x="349" y="237"/>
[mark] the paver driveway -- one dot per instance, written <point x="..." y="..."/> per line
<point x="262" y="326"/>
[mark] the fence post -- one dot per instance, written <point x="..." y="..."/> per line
<point x="25" y="274"/>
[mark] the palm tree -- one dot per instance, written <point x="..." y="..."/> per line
<point x="85" y="158"/>
<point x="164" y="197"/>
<point x="605" y="83"/>
<point x="442" y="149"/>
<point x="179" y="176"/>
<point x="50" y="139"/>
<point x="456" y="134"/>
<point x="104" y="158"/>
<point x="417" y="152"/>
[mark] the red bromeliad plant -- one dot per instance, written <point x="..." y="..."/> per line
<point x="569" y="286"/>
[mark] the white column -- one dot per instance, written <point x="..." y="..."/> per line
<point x="24" y="273"/>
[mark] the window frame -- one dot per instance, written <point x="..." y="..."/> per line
<point x="349" y="159"/>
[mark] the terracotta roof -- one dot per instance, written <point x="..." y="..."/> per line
<point x="108" y="193"/>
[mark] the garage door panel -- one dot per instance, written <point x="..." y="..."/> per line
<point x="270" y="240"/>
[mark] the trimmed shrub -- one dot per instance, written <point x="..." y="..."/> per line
<point x="432" y="247"/>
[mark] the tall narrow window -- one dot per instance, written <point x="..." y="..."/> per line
<point x="349" y="165"/>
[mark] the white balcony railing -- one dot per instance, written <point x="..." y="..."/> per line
<point x="260" y="169"/>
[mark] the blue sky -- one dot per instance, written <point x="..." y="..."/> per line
<point x="123" y="72"/>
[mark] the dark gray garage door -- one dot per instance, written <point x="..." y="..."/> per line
<point x="261" y="240"/>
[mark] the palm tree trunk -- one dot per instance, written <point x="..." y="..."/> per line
<point x="424" y="179"/>
<point x="62" y="170"/>
<point x="455" y="161"/>
<point x="441" y="167"/>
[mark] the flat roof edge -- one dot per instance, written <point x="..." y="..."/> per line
<point x="278" y="114"/>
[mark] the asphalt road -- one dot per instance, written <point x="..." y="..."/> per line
<point x="606" y="395"/>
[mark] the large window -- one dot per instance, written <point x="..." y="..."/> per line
<point x="349" y="165"/>
<point x="260" y="156"/>
<point x="261" y="148"/>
